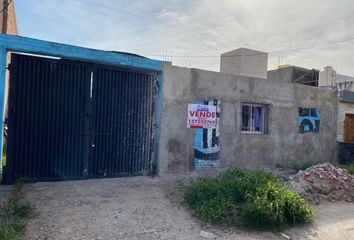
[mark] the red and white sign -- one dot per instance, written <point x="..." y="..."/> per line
<point x="201" y="116"/>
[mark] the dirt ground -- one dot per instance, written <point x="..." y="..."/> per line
<point x="149" y="208"/>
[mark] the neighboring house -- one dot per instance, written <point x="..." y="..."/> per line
<point x="345" y="118"/>
<point x="345" y="126"/>
<point x="245" y="62"/>
<point x="295" y="74"/>
<point x="330" y="78"/>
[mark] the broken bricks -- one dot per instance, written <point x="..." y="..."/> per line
<point x="323" y="181"/>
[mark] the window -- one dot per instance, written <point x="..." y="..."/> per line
<point x="254" y="118"/>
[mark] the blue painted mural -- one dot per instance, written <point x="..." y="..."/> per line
<point x="309" y="120"/>
<point x="206" y="142"/>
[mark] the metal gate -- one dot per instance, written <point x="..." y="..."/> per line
<point x="74" y="120"/>
<point x="123" y="110"/>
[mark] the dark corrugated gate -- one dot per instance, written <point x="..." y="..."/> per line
<point x="123" y="109"/>
<point x="73" y="120"/>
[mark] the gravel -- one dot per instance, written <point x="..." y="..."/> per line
<point x="148" y="208"/>
<point x="118" y="208"/>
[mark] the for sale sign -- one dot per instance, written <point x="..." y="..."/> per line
<point x="201" y="116"/>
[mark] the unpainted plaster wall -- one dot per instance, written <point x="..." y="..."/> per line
<point x="284" y="145"/>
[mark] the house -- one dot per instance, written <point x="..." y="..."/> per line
<point x="345" y="118"/>
<point x="295" y="74"/>
<point x="263" y="121"/>
<point x="328" y="77"/>
<point x="100" y="113"/>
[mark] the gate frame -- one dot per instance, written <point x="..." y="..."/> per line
<point x="12" y="43"/>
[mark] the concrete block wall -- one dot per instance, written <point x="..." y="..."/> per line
<point x="282" y="74"/>
<point x="283" y="145"/>
<point x="245" y="62"/>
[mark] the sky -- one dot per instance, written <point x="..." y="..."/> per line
<point x="193" y="33"/>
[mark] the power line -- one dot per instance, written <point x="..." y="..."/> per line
<point x="163" y="23"/>
<point x="147" y="19"/>
<point x="173" y="25"/>
<point x="141" y="17"/>
<point x="272" y="52"/>
<point x="119" y="19"/>
<point x="178" y="38"/>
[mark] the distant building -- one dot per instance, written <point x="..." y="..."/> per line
<point x="245" y="62"/>
<point x="330" y="78"/>
<point x="294" y="74"/>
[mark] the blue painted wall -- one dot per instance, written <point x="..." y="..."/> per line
<point x="309" y="120"/>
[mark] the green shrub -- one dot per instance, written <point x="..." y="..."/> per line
<point x="296" y="209"/>
<point x="240" y="184"/>
<point x="274" y="207"/>
<point x="202" y="190"/>
<point x="350" y="168"/>
<point x="215" y="209"/>
<point x="14" y="214"/>
<point x="208" y="200"/>
<point x="267" y="202"/>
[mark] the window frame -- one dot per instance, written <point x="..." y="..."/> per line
<point x="348" y="136"/>
<point x="265" y="118"/>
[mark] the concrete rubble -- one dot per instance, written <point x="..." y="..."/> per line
<point x="323" y="181"/>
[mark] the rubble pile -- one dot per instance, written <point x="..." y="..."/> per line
<point x="323" y="181"/>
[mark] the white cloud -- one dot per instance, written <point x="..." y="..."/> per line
<point x="200" y="28"/>
<point x="169" y="15"/>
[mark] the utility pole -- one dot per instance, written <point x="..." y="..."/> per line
<point x="5" y="4"/>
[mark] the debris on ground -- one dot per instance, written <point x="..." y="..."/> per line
<point x="207" y="235"/>
<point x="323" y="181"/>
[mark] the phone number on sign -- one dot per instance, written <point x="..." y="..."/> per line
<point x="201" y="122"/>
